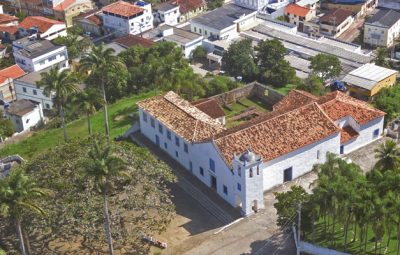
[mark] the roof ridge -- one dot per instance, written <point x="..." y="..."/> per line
<point x="326" y="115"/>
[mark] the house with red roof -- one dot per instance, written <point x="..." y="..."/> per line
<point x="46" y="28"/>
<point x="68" y="9"/>
<point x="90" y="21"/>
<point x="189" y="8"/>
<point x="298" y="15"/>
<point x="7" y="76"/>
<point x="125" y="18"/>
<point x="240" y="163"/>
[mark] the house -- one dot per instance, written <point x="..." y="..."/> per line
<point x="366" y="81"/>
<point x="312" y="5"/>
<point x="224" y="23"/>
<point x="24" y="114"/>
<point x="8" y="20"/>
<point x="45" y="28"/>
<point x="382" y="29"/>
<point x="128" y="41"/>
<point x="125" y="18"/>
<point x="167" y="13"/>
<point x="26" y="88"/>
<point x="298" y="15"/>
<point x="360" y="7"/>
<point x="35" y="55"/>
<point x="8" y="33"/>
<point x="335" y="21"/>
<point x="185" y="39"/>
<point x="68" y="9"/>
<point x="91" y="22"/>
<point x="32" y="7"/>
<point x="189" y="8"/>
<point x="242" y="162"/>
<point x="7" y="77"/>
<point x="256" y="5"/>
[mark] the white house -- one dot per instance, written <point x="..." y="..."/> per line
<point x="25" y="88"/>
<point x="125" y="18"/>
<point x="48" y="29"/>
<point x="167" y="13"/>
<point x="224" y="23"/>
<point x="335" y="21"/>
<point x="35" y="55"/>
<point x="241" y="163"/>
<point x="382" y="29"/>
<point x="24" y="114"/>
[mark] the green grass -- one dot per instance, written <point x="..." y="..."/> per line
<point x="336" y="241"/>
<point x="285" y="90"/>
<point x="118" y="114"/>
<point x="237" y="108"/>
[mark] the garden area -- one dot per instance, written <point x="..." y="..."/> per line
<point x="243" y="110"/>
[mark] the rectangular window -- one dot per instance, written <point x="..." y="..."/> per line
<point x="317" y="154"/>
<point x="201" y="171"/>
<point x="176" y="154"/>
<point x="177" y="141"/>
<point x="160" y="128"/>
<point x="152" y="123"/>
<point x="225" y="190"/>
<point x="212" y="165"/>
<point x="47" y="106"/>
<point x="34" y="92"/>
<point x="144" y="116"/>
<point x="239" y="187"/>
<point x="169" y="135"/>
<point x="166" y="146"/>
<point x="190" y="166"/>
<point x="24" y="89"/>
<point x="287" y="174"/>
<point x="185" y="147"/>
<point x="376" y="133"/>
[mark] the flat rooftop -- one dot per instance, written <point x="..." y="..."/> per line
<point x="34" y="48"/>
<point x="178" y="35"/>
<point x="223" y="17"/>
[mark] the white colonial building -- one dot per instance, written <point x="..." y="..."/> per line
<point x="382" y="29"/>
<point x="242" y="162"/>
<point x="125" y="18"/>
<point x="33" y="55"/>
<point x="24" y="114"/>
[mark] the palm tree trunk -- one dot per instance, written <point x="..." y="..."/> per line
<point x="389" y="236"/>
<point x="63" y="123"/>
<point x="107" y="224"/>
<point x="398" y="239"/>
<point x="355" y="231"/>
<point x="27" y="242"/>
<point x="346" y="229"/>
<point x="366" y="239"/>
<point x="20" y="237"/>
<point x="89" y="124"/>
<point x="105" y="109"/>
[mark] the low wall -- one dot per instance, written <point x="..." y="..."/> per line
<point x="318" y="250"/>
<point x="266" y="94"/>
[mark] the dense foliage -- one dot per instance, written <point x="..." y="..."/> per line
<point x="325" y="66"/>
<point x="74" y="221"/>
<point x="6" y="127"/>
<point x="388" y="101"/>
<point x="314" y="85"/>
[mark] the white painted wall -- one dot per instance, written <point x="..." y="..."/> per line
<point x="170" y="17"/>
<point x="31" y="119"/>
<point x="57" y="56"/>
<point x="54" y="32"/>
<point x="46" y="102"/>
<point x="381" y="36"/>
<point x="252" y="4"/>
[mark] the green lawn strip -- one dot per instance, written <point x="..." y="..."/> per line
<point x="336" y="241"/>
<point x="40" y="141"/>
<point x="286" y="89"/>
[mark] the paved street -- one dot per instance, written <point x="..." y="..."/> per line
<point x="352" y="32"/>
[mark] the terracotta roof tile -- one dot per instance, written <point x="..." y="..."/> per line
<point x="4" y="18"/>
<point x="13" y="72"/>
<point x="64" y="5"/>
<point x="180" y="116"/>
<point x="210" y="107"/>
<point x="296" y="10"/>
<point x="95" y="19"/>
<point x="347" y="133"/>
<point x="131" y="40"/>
<point x="279" y="134"/>
<point x="122" y="8"/>
<point x="9" y="29"/>
<point x="42" y="23"/>
<point x="186" y="6"/>
<point x="335" y="16"/>
<point x="294" y="99"/>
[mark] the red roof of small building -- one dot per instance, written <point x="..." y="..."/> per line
<point x="12" y="72"/>
<point x="347" y="133"/>
<point x="4" y="18"/>
<point x="95" y="19"/>
<point x="335" y="16"/>
<point x="42" y="23"/>
<point x="122" y="8"/>
<point x="64" y="5"/>
<point x="131" y="40"/>
<point x="210" y="107"/>
<point x="9" y="29"/>
<point x="297" y="10"/>
<point x="186" y="6"/>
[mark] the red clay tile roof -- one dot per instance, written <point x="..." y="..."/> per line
<point x="295" y="99"/>
<point x="296" y="10"/>
<point x="186" y="6"/>
<point x="279" y="134"/>
<point x="42" y="23"/>
<point x="4" y="18"/>
<point x="64" y="5"/>
<point x="95" y="19"/>
<point x="347" y="133"/>
<point x="87" y="13"/>
<point x="9" y="29"/>
<point x="13" y="72"/>
<point x="335" y="16"/>
<point x="131" y="40"/>
<point x="181" y="117"/>
<point x="210" y="107"/>
<point x="122" y="8"/>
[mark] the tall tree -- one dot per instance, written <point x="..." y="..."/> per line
<point x="314" y="85"/>
<point x="103" y="166"/>
<point x="326" y="66"/>
<point x="63" y="84"/>
<point x="388" y="155"/>
<point x="88" y="101"/>
<point x="97" y="63"/>
<point x="18" y="194"/>
<point x="380" y="58"/>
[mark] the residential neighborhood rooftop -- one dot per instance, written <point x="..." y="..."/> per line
<point x="12" y="72"/>
<point x="335" y="16"/>
<point x="222" y="17"/>
<point x="166" y="6"/>
<point x="35" y="48"/>
<point x="186" y="6"/>
<point x="9" y="29"/>
<point x="210" y="107"/>
<point x="21" y="107"/>
<point x="64" y="5"/>
<point x="122" y="8"/>
<point x="297" y="10"/>
<point x="42" y="23"/>
<point x="384" y="18"/>
<point x="4" y="18"/>
<point x="131" y="40"/>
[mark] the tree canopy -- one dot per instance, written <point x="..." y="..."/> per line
<point x="325" y="66"/>
<point x="388" y="101"/>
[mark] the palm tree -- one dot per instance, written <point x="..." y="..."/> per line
<point x="388" y="155"/>
<point x="87" y="101"/>
<point x="18" y="193"/>
<point x="103" y="167"/>
<point x="98" y="62"/>
<point x="62" y="84"/>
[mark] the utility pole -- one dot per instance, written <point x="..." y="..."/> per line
<point x="299" y="228"/>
